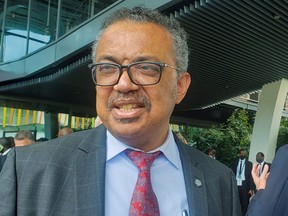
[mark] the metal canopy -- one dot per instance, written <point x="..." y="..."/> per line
<point x="236" y="47"/>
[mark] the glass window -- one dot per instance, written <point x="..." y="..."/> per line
<point x="43" y="23"/>
<point x="15" y="32"/>
<point x="73" y="13"/>
<point x="76" y="12"/>
<point x="1" y="22"/>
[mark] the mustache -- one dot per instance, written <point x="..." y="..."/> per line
<point x="133" y="97"/>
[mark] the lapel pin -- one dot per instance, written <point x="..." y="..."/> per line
<point x="198" y="183"/>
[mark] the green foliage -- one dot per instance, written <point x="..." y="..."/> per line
<point x="283" y="133"/>
<point x="225" y="139"/>
<point x="228" y="138"/>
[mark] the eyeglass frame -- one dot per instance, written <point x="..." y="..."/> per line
<point x="161" y="65"/>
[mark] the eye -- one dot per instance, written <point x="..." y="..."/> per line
<point x="106" y="69"/>
<point x="147" y="68"/>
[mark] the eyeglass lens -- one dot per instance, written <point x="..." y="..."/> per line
<point x="139" y="73"/>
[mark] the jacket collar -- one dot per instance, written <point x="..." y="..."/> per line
<point x="194" y="181"/>
<point x="90" y="173"/>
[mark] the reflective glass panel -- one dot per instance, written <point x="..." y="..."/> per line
<point x="73" y="13"/>
<point x="15" y="35"/>
<point x="1" y="32"/>
<point x="76" y="12"/>
<point x="43" y="23"/>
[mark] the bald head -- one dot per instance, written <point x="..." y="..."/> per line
<point x="23" y="138"/>
<point x="64" y="131"/>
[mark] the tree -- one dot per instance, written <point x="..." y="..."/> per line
<point x="283" y="133"/>
<point x="227" y="138"/>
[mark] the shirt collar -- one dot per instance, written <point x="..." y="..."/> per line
<point x="6" y="152"/>
<point x="168" y="148"/>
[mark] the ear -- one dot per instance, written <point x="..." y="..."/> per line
<point x="183" y="82"/>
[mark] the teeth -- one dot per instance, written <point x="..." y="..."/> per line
<point x="127" y="107"/>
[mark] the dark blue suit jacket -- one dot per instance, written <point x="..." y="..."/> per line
<point x="273" y="200"/>
<point x="66" y="176"/>
<point x="2" y="161"/>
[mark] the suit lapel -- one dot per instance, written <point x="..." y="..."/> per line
<point x="90" y="174"/>
<point x="194" y="181"/>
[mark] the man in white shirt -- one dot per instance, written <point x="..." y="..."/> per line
<point x="260" y="159"/>
<point x="242" y="169"/>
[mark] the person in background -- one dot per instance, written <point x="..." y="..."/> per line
<point x="7" y="145"/>
<point x="212" y="153"/>
<point x="272" y="188"/>
<point x="131" y="164"/>
<point x="65" y="131"/>
<point x="181" y="137"/>
<point x="261" y="162"/>
<point x="23" y="138"/>
<point x="242" y="169"/>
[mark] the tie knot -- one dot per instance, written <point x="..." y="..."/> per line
<point x="142" y="160"/>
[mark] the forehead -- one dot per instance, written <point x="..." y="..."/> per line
<point x="131" y="38"/>
<point x="133" y="26"/>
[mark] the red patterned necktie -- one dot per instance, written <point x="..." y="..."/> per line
<point x="144" y="201"/>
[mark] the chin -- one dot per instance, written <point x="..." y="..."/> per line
<point x="126" y="129"/>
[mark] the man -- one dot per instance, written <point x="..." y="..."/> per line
<point x="212" y="153"/>
<point x="23" y="138"/>
<point x="242" y="169"/>
<point x="271" y="197"/>
<point x="140" y="62"/>
<point x="64" y="131"/>
<point x="261" y="162"/>
<point x="7" y="145"/>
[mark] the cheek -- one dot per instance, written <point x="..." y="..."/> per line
<point x="102" y="96"/>
<point x="164" y="97"/>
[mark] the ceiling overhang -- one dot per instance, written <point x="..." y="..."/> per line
<point x="236" y="47"/>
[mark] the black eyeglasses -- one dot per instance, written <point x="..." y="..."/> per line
<point x="140" y="73"/>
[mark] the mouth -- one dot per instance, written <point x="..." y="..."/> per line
<point x="128" y="107"/>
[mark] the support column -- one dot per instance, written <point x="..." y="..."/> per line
<point x="268" y="117"/>
<point x="51" y="125"/>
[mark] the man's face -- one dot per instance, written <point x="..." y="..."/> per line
<point x="242" y="154"/>
<point x="259" y="158"/>
<point x="136" y="115"/>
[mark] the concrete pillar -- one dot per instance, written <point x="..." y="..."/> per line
<point x="268" y="117"/>
<point x="51" y="125"/>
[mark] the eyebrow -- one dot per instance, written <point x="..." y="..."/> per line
<point x="137" y="59"/>
<point x="108" y="57"/>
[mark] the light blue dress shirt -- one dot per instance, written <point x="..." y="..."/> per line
<point x="166" y="176"/>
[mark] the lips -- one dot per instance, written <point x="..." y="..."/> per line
<point x="128" y="106"/>
<point x="129" y="103"/>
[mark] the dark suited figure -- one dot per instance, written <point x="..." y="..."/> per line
<point x="272" y="188"/>
<point x="242" y="169"/>
<point x="260" y="159"/>
<point x="140" y="63"/>
<point x="7" y="144"/>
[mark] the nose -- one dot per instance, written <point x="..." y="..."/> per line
<point x="125" y="84"/>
